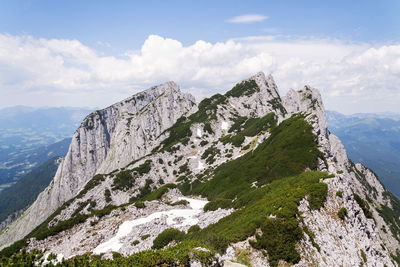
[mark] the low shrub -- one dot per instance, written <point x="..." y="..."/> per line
<point x="342" y="213"/>
<point x="166" y="236"/>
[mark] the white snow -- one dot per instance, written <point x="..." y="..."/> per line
<point x="199" y="133"/>
<point x="200" y="166"/>
<point x="189" y="218"/>
<point x="224" y="125"/>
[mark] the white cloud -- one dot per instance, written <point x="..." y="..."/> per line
<point x="352" y="77"/>
<point x="248" y="18"/>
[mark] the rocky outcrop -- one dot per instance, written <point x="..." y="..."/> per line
<point x="107" y="139"/>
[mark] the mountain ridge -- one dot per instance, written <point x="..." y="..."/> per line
<point x="189" y="152"/>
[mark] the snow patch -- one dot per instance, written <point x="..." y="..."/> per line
<point x="199" y="132"/>
<point x="200" y="166"/>
<point x="224" y="125"/>
<point x="189" y="218"/>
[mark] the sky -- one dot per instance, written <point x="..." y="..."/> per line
<point x="95" y="53"/>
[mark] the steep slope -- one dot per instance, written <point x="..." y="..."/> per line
<point x="96" y="140"/>
<point x="279" y="188"/>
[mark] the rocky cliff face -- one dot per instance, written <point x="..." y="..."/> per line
<point x="157" y="145"/>
<point x="106" y="140"/>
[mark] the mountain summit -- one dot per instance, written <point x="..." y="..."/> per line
<point x="247" y="176"/>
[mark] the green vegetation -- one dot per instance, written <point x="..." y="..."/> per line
<point x="180" y="132"/>
<point x="276" y="104"/>
<point x="158" y="193"/>
<point x="392" y="215"/>
<point x="194" y="228"/>
<point x="203" y="143"/>
<point x="180" y="202"/>
<point x="210" y="154"/>
<point x="280" y="235"/>
<point x="166" y="236"/>
<point x="339" y="194"/>
<point x="107" y="195"/>
<point x="139" y="204"/>
<point x="363" y="256"/>
<point x="125" y="179"/>
<point x="243" y="257"/>
<point x="144" y="237"/>
<point x="288" y="151"/>
<point x="342" y="213"/>
<point x="92" y="183"/>
<point x="248" y="127"/>
<point x="218" y="203"/>
<point x="279" y="238"/>
<point x="184" y="168"/>
<point x="244" y="88"/>
<point x="396" y="257"/>
<point x="363" y="180"/>
<point x="135" y="242"/>
<point x="23" y="258"/>
<point x="311" y="235"/>
<point x="363" y="205"/>
<point x="278" y="164"/>
<point x="180" y="255"/>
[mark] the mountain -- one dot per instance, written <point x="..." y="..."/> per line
<point x="25" y="131"/>
<point x="373" y="140"/>
<point x="20" y="195"/>
<point x="244" y="178"/>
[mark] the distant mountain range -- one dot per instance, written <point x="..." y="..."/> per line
<point x="373" y="140"/>
<point x="27" y="136"/>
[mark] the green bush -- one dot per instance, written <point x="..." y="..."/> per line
<point x="311" y="235"/>
<point x="125" y="179"/>
<point x="210" y="154"/>
<point x="158" y="193"/>
<point x="363" y="205"/>
<point x="107" y="195"/>
<point x="244" y="88"/>
<point x="139" y="204"/>
<point x="342" y="213"/>
<point x="218" y="203"/>
<point x="279" y="238"/>
<point x="180" y="202"/>
<point x="166" y="236"/>
<point x="135" y="242"/>
<point x="339" y="194"/>
<point x="363" y="256"/>
<point x="194" y="228"/>
<point x="144" y="237"/>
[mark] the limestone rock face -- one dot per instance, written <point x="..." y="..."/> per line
<point x="106" y="140"/>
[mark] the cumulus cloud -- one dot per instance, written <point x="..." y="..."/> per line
<point x="352" y="77"/>
<point x="248" y="18"/>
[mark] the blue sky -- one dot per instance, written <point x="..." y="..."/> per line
<point x="93" y="53"/>
<point x="125" y="24"/>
